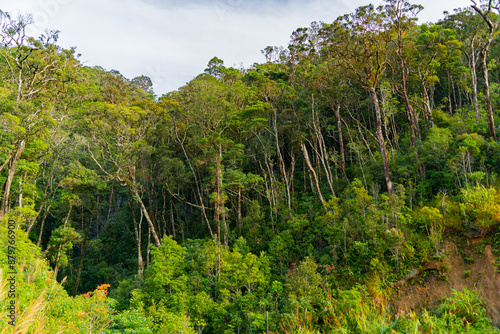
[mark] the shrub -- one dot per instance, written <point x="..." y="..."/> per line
<point x="481" y="205"/>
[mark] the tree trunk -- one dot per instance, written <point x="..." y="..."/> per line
<point x="380" y="138"/>
<point x="218" y="204"/>
<point x="428" y="106"/>
<point x="472" y="64"/>
<point x="322" y="152"/>
<point x="314" y="176"/>
<point x="146" y="215"/>
<point x="281" y="163"/>
<point x="56" y="268"/>
<point x="404" y="78"/>
<point x="148" y="249"/>
<point x="198" y="190"/>
<point x="409" y="111"/>
<point x="20" y="199"/>
<point x="487" y="98"/>
<point x="341" y="139"/>
<point x="449" y="91"/>
<point x="80" y="265"/>
<point x="140" y="260"/>
<point x="39" y="242"/>
<point x="172" y="220"/>
<point x="138" y="241"/>
<point x="239" y="217"/>
<point x="4" y="205"/>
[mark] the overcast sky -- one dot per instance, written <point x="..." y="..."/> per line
<point x="171" y="41"/>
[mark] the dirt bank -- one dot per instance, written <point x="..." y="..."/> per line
<point x="471" y="267"/>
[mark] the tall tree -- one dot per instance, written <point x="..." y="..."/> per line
<point x="116" y="142"/>
<point x="402" y="16"/>
<point x="31" y="68"/>
<point x="470" y="31"/>
<point x="493" y="24"/>
<point x="361" y="41"/>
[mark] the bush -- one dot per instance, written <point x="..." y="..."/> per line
<point x="466" y="310"/>
<point x="481" y="205"/>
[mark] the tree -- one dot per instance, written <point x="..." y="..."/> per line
<point x="470" y="33"/>
<point x="493" y="24"/>
<point x="436" y="48"/>
<point x="61" y="241"/>
<point x="201" y="126"/>
<point x="402" y="17"/>
<point x="144" y="83"/>
<point x="31" y="69"/>
<point x="361" y="41"/>
<point x="117" y="143"/>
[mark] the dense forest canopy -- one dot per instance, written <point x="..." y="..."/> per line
<point x="299" y="195"/>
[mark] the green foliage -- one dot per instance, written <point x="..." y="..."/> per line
<point x="165" y="274"/>
<point x="42" y="304"/>
<point x="432" y="220"/>
<point x="129" y="322"/>
<point x="304" y="286"/>
<point x="61" y="241"/>
<point x="127" y="192"/>
<point x="165" y="321"/>
<point x="481" y="206"/>
<point x="465" y="311"/>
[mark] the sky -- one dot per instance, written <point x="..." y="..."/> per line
<point x="172" y="41"/>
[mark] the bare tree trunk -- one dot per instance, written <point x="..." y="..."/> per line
<point x="487" y="97"/>
<point x="164" y="213"/>
<point x="270" y="193"/>
<point x="341" y="139"/>
<point x="380" y="138"/>
<point x="217" y="217"/>
<point x="428" y="105"/>
<point x="453" y="91"/>
<point x="239" y="217"/>
<point x="449" y="91"/>
<point x="172" y="220"/>
<point x="314" y="176"/>
<point x="472" y="64"/>
<point x="150" y="191"/>
<point x="323" y="154"/>
<point x="148" y="249"/>
<point x="218" y="248"/>
<point x="146" y="215"/>
<point x="4" y="205"/>
<point x="410" y="112"/>
<point x="110" y="203"/>
<point x="281" y="162"/>
<point x="20" y="199"/>
<point x="384" y="122"/>
<point x="269" y="182"/>
<point x="292" y="171"/>
<point x="138" y="240"/>
<point x="224" y="224"/>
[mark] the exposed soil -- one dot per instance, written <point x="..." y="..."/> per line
<point x="467" y="267"/>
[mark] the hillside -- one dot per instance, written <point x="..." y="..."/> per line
<point x="348" y="184"/>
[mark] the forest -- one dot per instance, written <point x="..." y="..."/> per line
<point x="313" y="192"/>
